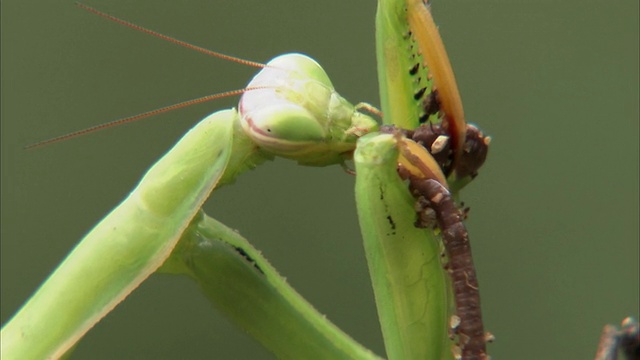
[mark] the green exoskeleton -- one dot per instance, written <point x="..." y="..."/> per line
<point x="290" y="109"/>
<point x="295" y="113"/>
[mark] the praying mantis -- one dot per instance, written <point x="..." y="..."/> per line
<point x="291" y="110"/>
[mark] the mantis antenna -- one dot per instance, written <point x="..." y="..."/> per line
<point x="137" y="117"/>
<point x="150" y="113"/>
<point x="290" y="108"/>
<point x="170" y="39"/>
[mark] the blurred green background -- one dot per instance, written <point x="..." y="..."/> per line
<point x="554" y="212"/>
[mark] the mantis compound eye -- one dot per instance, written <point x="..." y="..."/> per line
<point x="282" y="127"/>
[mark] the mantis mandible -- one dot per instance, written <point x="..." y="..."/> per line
<point x="289" y="109"/>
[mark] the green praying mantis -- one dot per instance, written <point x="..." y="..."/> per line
<point x="290" y="109"/>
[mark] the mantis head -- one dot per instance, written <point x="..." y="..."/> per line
<point x="291" y="109"/>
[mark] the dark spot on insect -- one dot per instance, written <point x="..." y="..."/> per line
<point x="391" y="222"/>
<point x="268" y="130"/>
<point x="248" y="257"/>
<point x="430" y="104"/>
<point x="414" y="69"/>
<point x="381" y="190"/>
<point x="420" y="93"/>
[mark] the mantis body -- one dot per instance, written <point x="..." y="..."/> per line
<point x="290" y="110"/>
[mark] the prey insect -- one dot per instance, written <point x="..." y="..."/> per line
<point x="470" y="331"/>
